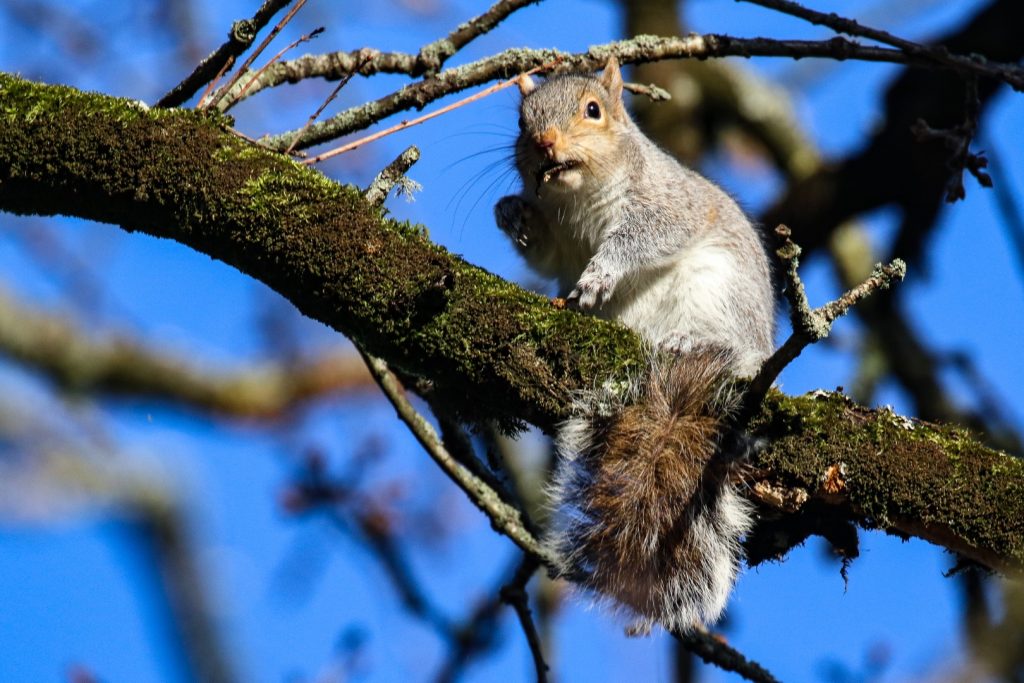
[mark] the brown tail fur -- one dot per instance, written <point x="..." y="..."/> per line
<point x="640" y="516"/>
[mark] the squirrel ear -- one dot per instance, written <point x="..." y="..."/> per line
<point x="526" y="84"/>
<point x="611" y="78"/>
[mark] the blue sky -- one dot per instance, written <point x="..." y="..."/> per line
<point x="77" y="590"/>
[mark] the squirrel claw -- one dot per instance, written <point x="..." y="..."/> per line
<point x="513" y="216"/>
<point x="593" y="290"/>
<point x="678" y="343"/>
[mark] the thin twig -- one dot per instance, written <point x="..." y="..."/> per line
<point x="477" y="632"/>
<point x="216" y="79"/>
<point x="957" y="140"/>
<point x="421" y="119"/>
<point x="515" y="595"/>
<point x="355" y="514"/>
<point x="242" y="70"/>
<point x="810" y="325"/>
<point x="504" y="518"/>
<point x="715" y="651"/>
<point x="239" y="39"/>
<point x="305" y="38"/>
<point x="939" y="55"/>
<point x="835" y="22"/>
<point x="390" y="175"/>
<point x="652" y="91"/>
<point x="432" y="56"/>
<point x="457" y="441"/>
<point x="387" y="552"/>
<point x="315" y="115"/>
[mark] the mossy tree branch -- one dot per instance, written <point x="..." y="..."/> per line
<point x="338" y="259"/>
<point x="493" y="351"/>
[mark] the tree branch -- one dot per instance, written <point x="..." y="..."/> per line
<point x="116" y="364"/>
<point x="810" y="325"/>
<point x="492" y="350"/>
<point x="241" y="36"/>
<point x="509" y="63"/>
<point x="1010" y="73"/>
<point x="514" y="594"/>
<point x="504" y="517"/>
<point x="713" y="651"/>
<point x="432" y="56"/>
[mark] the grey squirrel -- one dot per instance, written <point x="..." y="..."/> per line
<point x="642" y="514"/>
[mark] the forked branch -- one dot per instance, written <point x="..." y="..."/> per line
<point x="810" y="325"/>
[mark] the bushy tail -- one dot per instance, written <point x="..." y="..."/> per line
<point x="640" y="517"/>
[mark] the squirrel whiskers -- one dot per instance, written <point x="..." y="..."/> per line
<point x="641" y="513"/>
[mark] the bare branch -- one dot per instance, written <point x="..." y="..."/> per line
<point x="216" y="79"/>
<point x="476" y="633"/>
<point x="391" y="175"/>
<point x="939" y="55"/>
<point x="957" y="140"/>
<point x="304" y="38"/>
<point x="432" y="56"/>
<point x="368" y="61"/>
<point x="504" y="518"/>
<point x="118" y="364"/>
<point x="239" y="39"/>
<point x="810" y="325"/>
<point x="242" y="70"/>
<point x="714" y="650"/>
<point x="315" y="115"/>
<point x="357" y="514"/>
<point x="355" y="144"/>
<point x="653" y="92"/>
<point x="515" y="595"/>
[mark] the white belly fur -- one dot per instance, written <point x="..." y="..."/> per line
<point x="693" y="297"/>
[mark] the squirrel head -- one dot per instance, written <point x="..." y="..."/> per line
<point x="570" y="128"/>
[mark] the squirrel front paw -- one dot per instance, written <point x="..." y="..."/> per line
<point x="515" y="216"/>
<point x="594" y="289"/>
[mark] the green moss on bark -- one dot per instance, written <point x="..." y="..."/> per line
<point x="902" y="475"/>
<point x="179" y="174"/>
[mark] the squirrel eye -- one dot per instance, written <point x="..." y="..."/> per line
<point x="522" y="123"/>
<point x="593" y="110"/>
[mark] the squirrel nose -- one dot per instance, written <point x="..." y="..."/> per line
<point x="545" y="141"/>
